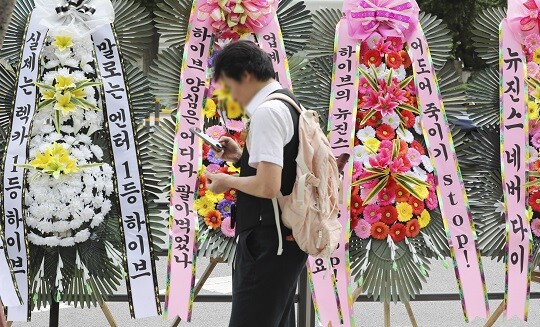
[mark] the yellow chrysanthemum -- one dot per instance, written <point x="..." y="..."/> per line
<point x="64" y="82"/>
<point x="533" y="110"/>
<point x="63" y="42"/>
<point x="424" y="219"/>
<point x="222" y="94"/>
<point x="203" y="205"/>
<point x="372" y="144"/>
<point x="64" y="104"/>
<point x="536" y="94"/>
<point x="79" y="94"/>
<point x="233" y="169"/>
<point x="422" y="191"/>
<point x="215" y="198"/>
<point x="405" y="211"/>
<point x="536" y="56"/>
<point x="234" y="110"/>
<point x="209" y="109"/>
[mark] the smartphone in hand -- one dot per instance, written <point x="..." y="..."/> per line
<point x="215" y="145"/>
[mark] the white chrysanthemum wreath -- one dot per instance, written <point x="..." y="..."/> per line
<point x="68" y="186"/>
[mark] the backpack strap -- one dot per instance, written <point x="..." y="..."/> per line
<point x="287" y="99"/>
<point x="278" y="225"/>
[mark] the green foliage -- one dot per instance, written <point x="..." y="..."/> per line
<point x="459" y="16"/>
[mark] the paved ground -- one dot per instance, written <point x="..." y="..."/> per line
<point x="367" y="314"/>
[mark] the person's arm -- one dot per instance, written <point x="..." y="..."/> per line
<point x="265" y="184"/>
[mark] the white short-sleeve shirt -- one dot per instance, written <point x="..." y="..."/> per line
<point x="271" y="127"/>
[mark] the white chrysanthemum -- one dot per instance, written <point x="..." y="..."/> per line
<point x="418" y="125"/>
<point x="365" y="133"/>
<point x="427" y="164"/>
<point x="400" y="73"/>
<point x="392" y="120"/>
<point x="533" y="154"/>
<point x="405" y="135"/>
<point x="361" y="153"/>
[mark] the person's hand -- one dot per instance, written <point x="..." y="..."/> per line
<point x="231" y="150"/>
<point x="217" y="182"/>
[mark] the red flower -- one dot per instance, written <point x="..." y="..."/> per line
<point x="205" y="148"/>
<point x="354" y="222"/>
<point x="396" y="42"/>
<point x="536" y="165"/>
<point x="398" y="232"/>
<point x="357" y="205"/>
<point x="403" y="148"/>
<point x="417" y="205"/>
<point x="401" y="194"/>
<point x="213" y="219"/>
<point x="406" y="59"/>
<point x="359" y="117"/>
<point x="412" y="228"/>
<point x="372" y="57"/>
<point x="534" y="201"/>
<point x="408" y="118"/>
<point x="374" y="120"/>
<point x="231" y="195"/>
<point x="418" y="147"/>
<point x="385" y="132"/>
<point x="389" y="215"/>
<point x="394" y="60"/>
<point x="202" y="186"/>
<point x="379" y="230"/>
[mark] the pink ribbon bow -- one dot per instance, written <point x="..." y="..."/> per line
<point x="396" y="18"/>
<point x="523" y="17"/>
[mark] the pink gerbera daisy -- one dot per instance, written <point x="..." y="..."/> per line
<point x="372" y="213"/>
<point x="215" y="132"/>
<point x="363" y="229"/>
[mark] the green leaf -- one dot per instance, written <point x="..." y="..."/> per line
<point x="45" y="103"/>
<point x="396" y="145"/>
<point x="372" y="81"/>
<point x="368" y="178"/>
<point x="57" y="120"/>
<point x="45" y="86"/>
<point x="405" y="82"/>
<point x="407" y="187"/>
<point x="390" y="77"/>
<point x="405" y="106"/>
<point x="382" y="183"/>
<point x="368" y="116"/>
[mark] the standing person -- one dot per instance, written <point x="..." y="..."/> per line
<point x="264" y="282"/>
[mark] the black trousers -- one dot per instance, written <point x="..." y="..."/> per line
<point x="264" y="284"/>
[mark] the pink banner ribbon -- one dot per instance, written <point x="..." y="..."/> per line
<point x="451" y="191"/>
<point x="386" y="17"/>
<point x="186" y="159"/>
<point x="514" y="148"/>
<point x="523" y="17"/>
<point x="343" y="106"/>
<point x="270" y="40"/>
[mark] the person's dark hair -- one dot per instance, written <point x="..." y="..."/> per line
<point x="242" y="57"/>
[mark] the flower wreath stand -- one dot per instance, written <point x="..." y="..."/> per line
<point x="75" y="211"/>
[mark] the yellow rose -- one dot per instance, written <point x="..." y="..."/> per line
<point x="373" y="144"/>
<point x="424" y="219"/>
<point x="405" y="211"/>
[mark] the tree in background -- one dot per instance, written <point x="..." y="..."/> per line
<point x="459" y="15"/>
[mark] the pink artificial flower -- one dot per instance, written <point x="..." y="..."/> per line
<point x="386" y="104"/>
<point x="386" y="144"/>
<point x="357" y="170"/>
<point x="395" y="42"/>
<point x="532" y="42"/>
<point x="213" y="168"/>
<point x="373" y="40"/>
<point x="387" y="196"/>
<point x="364" y="87"/>
<point x="235" y="125"/>
<point x="363" y="229"/>
<point x="432" y="183"/>
<point x="432" y="202"/>
<point x="398" y="166"/>
<point x="383" y="46"/>
<point x="372" y="213"/>
<point x="371" y="99"/>
<point x="414" y="157"/>
<point x="226" y="227"/>
<point x="536" y="140"/>
<point x="215" y="132"/>
<point x="535" y="227"/>
<point x="532" y="68"/>
<point x="534" y="126"/>
<point x="399" y="94"/>
<point x="382" y="159"/>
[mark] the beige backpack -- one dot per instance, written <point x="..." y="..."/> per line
<point x="311" y="210"/>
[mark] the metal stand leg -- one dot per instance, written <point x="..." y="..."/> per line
<point x="306" y="312"/>
<point x="54" y="314"/>
<point x="200" y="284"/>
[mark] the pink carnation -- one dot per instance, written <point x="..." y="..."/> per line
<point x="363" y="229"/>
<point x="226" y="228"/>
